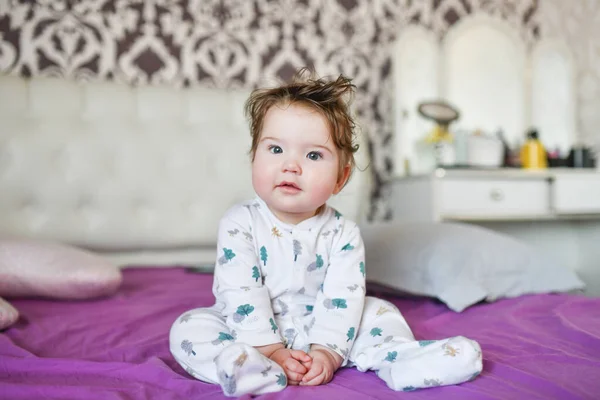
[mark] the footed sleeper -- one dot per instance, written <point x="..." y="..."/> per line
<point x="300" y="285"/>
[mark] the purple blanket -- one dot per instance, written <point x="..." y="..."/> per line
<point x="534" y="347"/>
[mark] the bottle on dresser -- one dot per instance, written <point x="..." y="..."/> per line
<point x="533" y="154"/>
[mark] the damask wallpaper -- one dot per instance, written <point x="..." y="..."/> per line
<point x="240" y="43"/>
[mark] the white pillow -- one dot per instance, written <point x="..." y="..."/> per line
<point x="459" y="264"/>
<point x="8" y="314"/>
<point x="43" y="269"/>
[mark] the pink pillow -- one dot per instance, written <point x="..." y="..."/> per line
<point x="8" y="314"/>
<point x="42" y="269"/>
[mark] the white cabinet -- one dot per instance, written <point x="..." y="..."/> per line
<point x="576" y="194"/>
<point x="499" y="195"/>
<point x="487" y="198"/>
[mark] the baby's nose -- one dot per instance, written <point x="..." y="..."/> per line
<point x="291" y="164"/>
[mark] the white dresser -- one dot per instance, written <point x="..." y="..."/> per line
<point x="497" y="195"/>
<point x="555" y="210"/>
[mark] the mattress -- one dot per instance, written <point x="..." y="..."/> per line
<point x="534" y="347"/>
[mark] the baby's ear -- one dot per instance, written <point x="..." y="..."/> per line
<point x="342" y="179"/>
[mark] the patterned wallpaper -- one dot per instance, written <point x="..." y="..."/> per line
<point x="238" y="43"/>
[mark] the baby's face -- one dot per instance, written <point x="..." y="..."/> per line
<point x="295" y="167"/>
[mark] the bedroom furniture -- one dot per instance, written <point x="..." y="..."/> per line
<point x="497" y="195"/>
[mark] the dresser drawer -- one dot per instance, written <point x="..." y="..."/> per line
<point x="488" y="199"/>
<point x="576" y="193"/>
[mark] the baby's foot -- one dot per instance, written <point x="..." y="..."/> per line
<point x="244" y="370"/>
<point x="431" y="363"/>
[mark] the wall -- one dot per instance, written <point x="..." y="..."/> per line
<point x="578" y="23"/>
<point x="232" y="43"/>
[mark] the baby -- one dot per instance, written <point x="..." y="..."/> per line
<point x="289" y="280"/>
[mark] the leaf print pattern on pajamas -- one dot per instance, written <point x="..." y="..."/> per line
<point x="348" y="247"/>
<point x="327" y="275"/>
<point x="339" y="303"/>
<point x="432" y="382"/>
<point x="242" y="312"/>
<point x="332" y="304"/>
<point x="263" y="255"/>
<point x="265" y="372"/>
<point x="297" y="249"/>
<point x="228" y="255"/>
<point x="350" y="334"/>
<point x="238" y="279"/>
<point x="185" y="318"/>
<point x="391" y="356"/>
<point x="187" y="346"/>
<point x="376" y="332"/>
<point x="273" y="325"/>
<point x="308" y="327"/>
<point x="450" y="351"/>
<point x="224" y="337"/>
<point x="281" y="380"/>
<point x="255" y="273"/>
<point x="284" y="308"/>
<point x="317" y="264"/>
<point x="382" y="310"/>
<point x="353" y="287"/>
<point x="289" y="335"/>
<point x="227" y="383"/>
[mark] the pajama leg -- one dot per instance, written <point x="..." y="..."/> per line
<point x="205" y="347"/>
<point x="244" y="370"/>
<point x="386" y="344"/>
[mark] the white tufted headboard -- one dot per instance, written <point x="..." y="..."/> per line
<point x="142" y="175"/>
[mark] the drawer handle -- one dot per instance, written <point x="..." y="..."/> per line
<point x="497" y="195"/>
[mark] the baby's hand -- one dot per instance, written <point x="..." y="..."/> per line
<point x="324" y="365"/>
<point x="295" y="363"/>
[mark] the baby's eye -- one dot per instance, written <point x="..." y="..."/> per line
<point x="275" y="149"/>
<point x="314" y="155"/>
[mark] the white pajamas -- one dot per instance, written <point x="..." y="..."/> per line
<point x="303" y="284"/>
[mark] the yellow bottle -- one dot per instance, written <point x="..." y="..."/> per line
<point x="533" y="154"/>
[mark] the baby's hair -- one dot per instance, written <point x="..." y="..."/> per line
<point x="331" y="98"/>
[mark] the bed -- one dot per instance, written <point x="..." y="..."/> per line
<point x="535" y="347"/>
<point x="140" y="176"/>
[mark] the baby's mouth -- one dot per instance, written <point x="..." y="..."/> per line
<point x="288" y="186"/>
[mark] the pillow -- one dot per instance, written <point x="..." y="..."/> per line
<point x="42" y="269"/>
<point x="459" y="264"/>
<point x="8" y="314"/>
